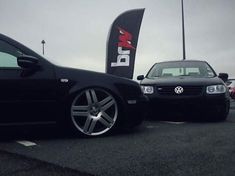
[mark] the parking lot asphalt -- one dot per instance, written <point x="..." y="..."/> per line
<point x="18" y="165"/>
<point x="155" y="148"/>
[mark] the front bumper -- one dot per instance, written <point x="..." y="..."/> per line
<point x="188" y="105"/>
<point x="135" y="111"/>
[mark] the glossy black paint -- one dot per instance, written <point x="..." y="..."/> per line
<point x="28" y="62"/>
<point x="40" y="91"/>
<point x="198" y="104"/>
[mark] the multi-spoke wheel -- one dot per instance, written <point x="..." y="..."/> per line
<point x="94" y="111"/>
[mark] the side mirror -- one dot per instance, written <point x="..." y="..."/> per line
<point x="27" y="62"/>
<point x="223" y="76"/>
<point x="140" y="77"/>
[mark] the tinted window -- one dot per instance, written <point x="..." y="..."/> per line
<point x="184" y="68"/>
<point x="8" y="55"/>
<point x="7" y="60"/>
<point x="230" y="83"/>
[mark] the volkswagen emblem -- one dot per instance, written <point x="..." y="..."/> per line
<point x="179" y="90"/>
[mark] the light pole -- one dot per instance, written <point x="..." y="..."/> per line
<point x="183" y="36"/>
<point x="43" y="43"/>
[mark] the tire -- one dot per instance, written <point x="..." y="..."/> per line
<point x="94" y="112"/>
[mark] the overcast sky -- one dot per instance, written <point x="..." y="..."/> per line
<point x="76" y="31"/>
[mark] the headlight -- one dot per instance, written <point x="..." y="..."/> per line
<point x="147" y="89"/>
<point x="215" y="89"/>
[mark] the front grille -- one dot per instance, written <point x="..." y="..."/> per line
<point x="188" y="90"/>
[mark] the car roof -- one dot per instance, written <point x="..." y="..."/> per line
<point x="181" y="61"/>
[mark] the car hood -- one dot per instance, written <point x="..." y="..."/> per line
<point x="88" y="76"/>
<point x="77" y="79"/>
<point x="168" y="81"/>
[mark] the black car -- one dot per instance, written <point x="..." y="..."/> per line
<point x="187" y="88"/>
<point x="35" y="91"/>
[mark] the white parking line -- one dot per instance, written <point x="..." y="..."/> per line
<point x="26" y="143"/>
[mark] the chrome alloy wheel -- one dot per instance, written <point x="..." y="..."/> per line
<point x="94" y="111"/>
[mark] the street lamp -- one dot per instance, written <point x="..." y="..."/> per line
<point x="43" y="43"/>
<point x="183" y="35"/>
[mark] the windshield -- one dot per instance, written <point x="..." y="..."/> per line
<point x="231" y="83"/>
<point x="184" y="68"/>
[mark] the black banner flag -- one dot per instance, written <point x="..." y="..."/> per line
<point x="122" y="43"/>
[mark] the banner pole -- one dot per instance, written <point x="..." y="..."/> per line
<point x="183" y="33"/>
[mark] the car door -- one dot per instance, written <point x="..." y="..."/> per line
<point x="26" y="95"/>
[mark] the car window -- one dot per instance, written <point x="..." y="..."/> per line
<point x="193" y="69"/>
<point x="7" y="60"/>
<point x="230" y="83"/>
<point x="8" y="55"/>
<point x="171" y="71"/>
